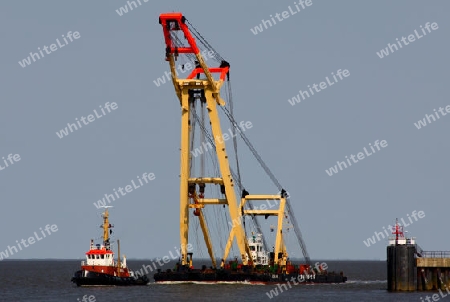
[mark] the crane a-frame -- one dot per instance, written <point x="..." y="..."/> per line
<point x="201" y="85"/>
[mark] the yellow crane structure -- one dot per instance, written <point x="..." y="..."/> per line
<point x="203" y="85"/>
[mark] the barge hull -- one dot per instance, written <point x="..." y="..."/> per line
<point x="228" y="276"/>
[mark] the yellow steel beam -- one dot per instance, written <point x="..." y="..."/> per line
<point x="218" y="99"/>
<point x="201" y="202"/>
<point x="106" y="225"/>
<point x="212" y="201"/>
<point x="192" y="84"/>
<point x="262" y="212"/>
<point x="184" y="174"/>
<point x="262" y="197"/>
<point x="207" y="238"/>
<point x="228" y="245"/>
<point x="174" y="76"/>
<point x="226" y="174"/>
<point x="279" y="236"/>
<point x="206" y="180"/>
<point x="212" y="83"/>
<point x="259" y="198"/>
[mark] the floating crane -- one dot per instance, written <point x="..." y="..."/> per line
<point x="200" y="85"/>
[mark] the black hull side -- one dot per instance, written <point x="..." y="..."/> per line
<point x="229" y="276"/>
<point x="97" y="279"/>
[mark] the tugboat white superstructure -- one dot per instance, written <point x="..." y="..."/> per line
<point x="259" y="255"/>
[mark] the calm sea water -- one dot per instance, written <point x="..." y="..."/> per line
<point x="49" y="281"/>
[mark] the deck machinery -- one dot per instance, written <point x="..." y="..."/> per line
<point x="256" y="264"/>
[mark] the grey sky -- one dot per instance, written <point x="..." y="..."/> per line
<point x="117" y="58"/>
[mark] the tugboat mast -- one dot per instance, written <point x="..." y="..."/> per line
<point x="118" y="258"/>
<point x="106" y="228"/>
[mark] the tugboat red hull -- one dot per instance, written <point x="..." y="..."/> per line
<point x="89" y="278"/>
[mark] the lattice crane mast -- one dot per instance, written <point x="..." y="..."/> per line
<point x="209" y="89"/>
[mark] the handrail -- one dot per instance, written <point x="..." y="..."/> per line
<point x="435" y="254"/>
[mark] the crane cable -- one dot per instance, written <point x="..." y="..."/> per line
<point x="230" y="100"/>
<point x="203" y="41"/>
<point x="239" y="184"/>
<point x="274" y="180"/>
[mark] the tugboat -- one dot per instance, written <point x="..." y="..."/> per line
<point x="100" y="267"/>
<point x="208" y="180"/>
